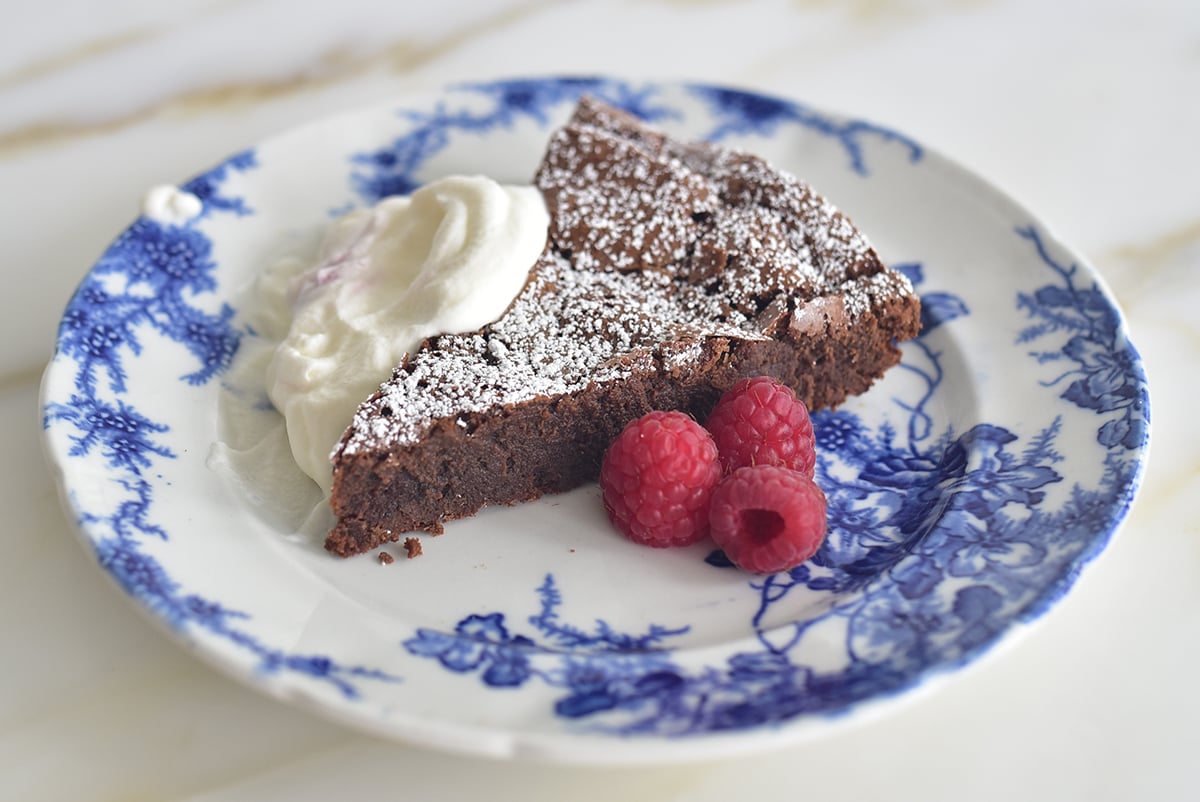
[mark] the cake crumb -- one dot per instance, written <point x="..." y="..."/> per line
<point x="412" y="545"/>
<point x="385" y="558"/>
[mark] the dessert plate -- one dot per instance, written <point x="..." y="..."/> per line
<point x="966" y="490"/>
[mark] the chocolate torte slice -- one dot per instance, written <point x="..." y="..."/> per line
<point x="672" y="269"/>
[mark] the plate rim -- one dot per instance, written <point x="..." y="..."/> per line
<point x="537" y="746"/>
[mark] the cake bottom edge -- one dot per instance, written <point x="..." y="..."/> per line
<point x="552" y="444"/>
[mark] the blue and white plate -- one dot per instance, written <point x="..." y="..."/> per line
<point x="966" y="490"/>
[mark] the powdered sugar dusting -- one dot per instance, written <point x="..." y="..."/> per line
<point x="567" y="330"/>
<point x="618" y="207"/>
<point x="655" y="246"/>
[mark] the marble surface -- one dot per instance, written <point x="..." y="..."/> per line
<point x="1084" y="111"/>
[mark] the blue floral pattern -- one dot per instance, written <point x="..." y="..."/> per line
<point x="936" y="545"/>
<point x="148" y="283"/>
<point x="1103" y="375"/>
<point x="939" y="539"/>
<point x="393" y="170"/>
<point x="483" y="643"/>
<point x="736" y="112"/>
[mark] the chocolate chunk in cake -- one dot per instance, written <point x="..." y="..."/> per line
<point x="672" y="269"/>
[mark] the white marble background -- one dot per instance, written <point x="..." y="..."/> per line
<point x="1086" y="111"/>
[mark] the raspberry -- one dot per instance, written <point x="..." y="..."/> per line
<point x="767" y="519"/>
<point x="761" y="422"/>
<point x="657" y="478"/>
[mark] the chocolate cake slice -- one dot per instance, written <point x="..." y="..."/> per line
<point x="672" y="269"/>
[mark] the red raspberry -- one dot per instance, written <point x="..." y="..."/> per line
<point x="761" y="422"/>
<point x="657" y="478"/>
<point x="767" y="518"/>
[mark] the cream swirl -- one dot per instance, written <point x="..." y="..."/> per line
<point x="449" y="258"/>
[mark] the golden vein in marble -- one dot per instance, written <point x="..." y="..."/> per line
<point x="333" y="66"/>
<point x="880" y="10"/>
<point x="1135" y="270"/>
<point x="74" y="55"/>
<point x="1163" y="248"/>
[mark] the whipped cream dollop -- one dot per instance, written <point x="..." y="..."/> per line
<point x="449" y="258"/>
<point x="171" y="205"/>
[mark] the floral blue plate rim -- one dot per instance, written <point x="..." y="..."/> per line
<point x="967" y="490"/>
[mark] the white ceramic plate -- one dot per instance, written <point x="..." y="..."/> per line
<point x="966" y="490"/>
